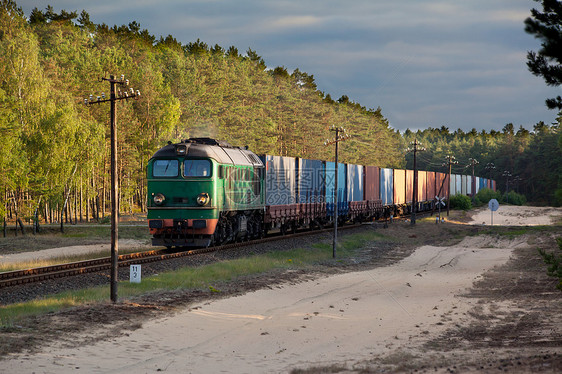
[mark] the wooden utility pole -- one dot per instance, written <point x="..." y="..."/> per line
<point x="507" y="175"/>
<point x="113" y="98"/>
<point x="415" y="149"/>
<point x="341" y="135"/>
<point x="472" y="162"/>
<point x="449" y="161"/>
<point x="490" y="167"/>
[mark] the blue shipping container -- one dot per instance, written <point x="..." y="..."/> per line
<point x="483" y="183"/>
<point x="280" y="180"/>
<point x="331" y="186"/>
<point x="386" y="186"/>
<point x="311" y="176"/>
<point x="355" y="182"/>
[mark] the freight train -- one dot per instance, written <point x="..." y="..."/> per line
<point x="204" y="192"/>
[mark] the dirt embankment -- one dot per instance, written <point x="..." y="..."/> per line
<point x="480" y="304"/>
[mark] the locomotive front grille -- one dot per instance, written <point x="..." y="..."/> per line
<point x="155" y="224"/>
<point x="181" y="200"/>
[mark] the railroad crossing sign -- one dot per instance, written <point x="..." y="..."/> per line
<point x="439" y="201"/>
<point x="493" y="205"/>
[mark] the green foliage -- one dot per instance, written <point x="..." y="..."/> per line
<point x="519" y="152"/>
<point x="461" y="202"/>
<point x="547" y="26"/>
<point x="51" y="59"/>
<point x="554" y="262"/>
<point x="514" y="198"/>
<point x="484" y="196"/>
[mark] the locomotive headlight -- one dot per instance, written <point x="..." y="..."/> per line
<point x="203" y="199"/>
<point x="181" y="149"/>
<point x="159" y="199"/>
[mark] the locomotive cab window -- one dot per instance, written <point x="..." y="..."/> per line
<point x="197" y="168"/>
<point x="165" y="168"/>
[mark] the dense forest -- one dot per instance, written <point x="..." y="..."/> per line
<point x="528" y="162"/>
<point x="54" y="150"/>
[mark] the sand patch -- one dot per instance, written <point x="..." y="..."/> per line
<point x="510" y="215"/>
<point x="338" y="319"/>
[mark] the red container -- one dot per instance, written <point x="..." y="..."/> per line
<point x="422" y="186"/>
<point x="372" y="183"/>
<point x="409" y="186"/>
<point x="399" y="186"/>
<point x="431" y="192"/>
<point x="441" y="184"/>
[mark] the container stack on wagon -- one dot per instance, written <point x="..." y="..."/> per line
<point x="300" y="192"/>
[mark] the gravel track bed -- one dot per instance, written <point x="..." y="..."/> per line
<point x="33" y="291"/>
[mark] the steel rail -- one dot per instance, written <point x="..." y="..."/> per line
<point x="32" y="275"/>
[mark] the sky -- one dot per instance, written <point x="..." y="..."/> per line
<point x="425" y="63"/>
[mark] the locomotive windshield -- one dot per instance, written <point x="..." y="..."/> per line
<point x="165" y="168"/>
<point x="197" y="168"/>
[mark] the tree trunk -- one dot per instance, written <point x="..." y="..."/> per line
<point x="81" y="198"/>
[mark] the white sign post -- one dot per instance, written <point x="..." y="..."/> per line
<point x="135" y="274"/>
<point x="493" y="205"/>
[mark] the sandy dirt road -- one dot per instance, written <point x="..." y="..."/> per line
<point x="384" y="317"/>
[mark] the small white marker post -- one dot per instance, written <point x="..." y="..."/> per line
<point x="493" y="205"/>
<point x="135" y="274"/>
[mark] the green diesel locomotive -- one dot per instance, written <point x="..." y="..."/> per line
<point x="204" y="192"/>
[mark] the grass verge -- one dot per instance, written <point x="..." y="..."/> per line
<point x="207" y="276"/>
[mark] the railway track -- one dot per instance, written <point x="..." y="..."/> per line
<point x="33" y="275"/>
<point x="26" y="276"/>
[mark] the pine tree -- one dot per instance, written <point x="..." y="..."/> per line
<point x="547" y="62"/>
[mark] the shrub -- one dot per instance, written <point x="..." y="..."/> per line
<point x="514" y="198"/>
<point x="554" y="263"/>
<point x="486" y="194"/>
<point x="461" y="202"/>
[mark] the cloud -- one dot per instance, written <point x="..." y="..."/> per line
<point x="294" y="21"/>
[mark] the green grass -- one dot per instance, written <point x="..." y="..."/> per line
<point x="206" y="277"/>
